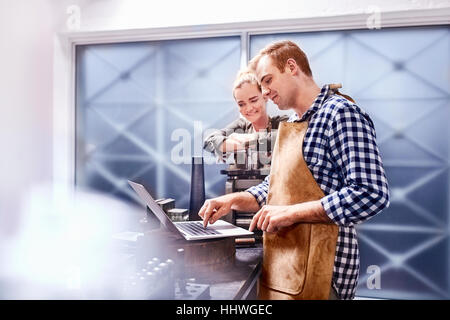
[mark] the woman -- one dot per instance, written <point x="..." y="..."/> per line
<point x="257" y="128"/>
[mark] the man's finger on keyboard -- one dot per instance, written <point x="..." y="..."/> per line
<point x="201" y="212"/>
<point x="208" y="212"/>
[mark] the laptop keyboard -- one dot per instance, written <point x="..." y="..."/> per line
<point x="195" y="228"/>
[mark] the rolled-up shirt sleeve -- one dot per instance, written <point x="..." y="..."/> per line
<point x="260" y="191"/>
<point x="353" y="148"/>
<point x="213" y="142"/>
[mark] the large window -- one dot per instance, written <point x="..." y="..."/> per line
<point x="131" y="97"/>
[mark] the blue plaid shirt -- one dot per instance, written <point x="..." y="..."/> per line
<point x="341" y="152"/>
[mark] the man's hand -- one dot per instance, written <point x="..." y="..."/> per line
<point x="272" y="218"/>
<point x="213" y="209"/>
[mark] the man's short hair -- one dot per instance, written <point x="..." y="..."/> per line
<point x="280" y="52"/>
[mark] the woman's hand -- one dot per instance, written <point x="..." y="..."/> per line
<point x="236" y="141"/>
<point x="242" y="137"/>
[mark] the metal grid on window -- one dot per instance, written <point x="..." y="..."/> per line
<point x="131" y="97"/>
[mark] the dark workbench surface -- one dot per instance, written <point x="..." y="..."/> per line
<point x="237" y="282"/>
<point x="233" y="281"/>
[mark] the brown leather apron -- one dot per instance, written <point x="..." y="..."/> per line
<point x="297" y="260"/>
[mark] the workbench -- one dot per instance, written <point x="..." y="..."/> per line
<point x="240" y="281"/>
<point x="234" y="280"/>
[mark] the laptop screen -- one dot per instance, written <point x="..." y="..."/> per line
<point x="154" y="207"/>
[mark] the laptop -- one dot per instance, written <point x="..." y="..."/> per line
<point x="190" y="230"/>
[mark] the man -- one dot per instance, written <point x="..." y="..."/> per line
<point x="339" y="149"/>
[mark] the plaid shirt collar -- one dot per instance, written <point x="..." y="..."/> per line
<point x="317" y="104"/>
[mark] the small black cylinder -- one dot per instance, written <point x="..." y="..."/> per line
<point x="197" y="188"/>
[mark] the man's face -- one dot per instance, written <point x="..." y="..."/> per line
<point x="275" y="85"/>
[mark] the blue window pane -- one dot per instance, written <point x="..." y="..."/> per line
<point x="401" y="78"/>
<point x="131" y="97"/>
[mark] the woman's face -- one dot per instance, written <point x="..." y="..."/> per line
<point x="251" y="103"/>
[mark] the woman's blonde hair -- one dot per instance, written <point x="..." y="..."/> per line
<point x="245" y="76"/>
